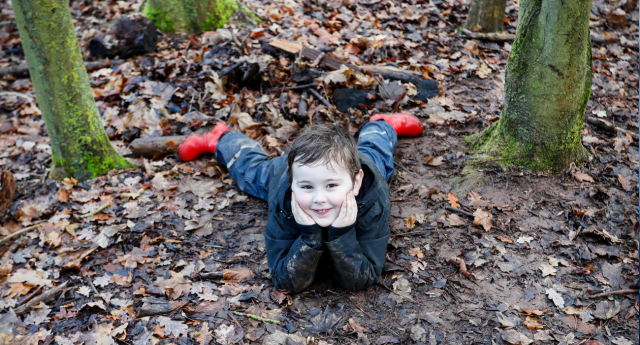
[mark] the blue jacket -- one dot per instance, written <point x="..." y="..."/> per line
<point x="358" y="251"/>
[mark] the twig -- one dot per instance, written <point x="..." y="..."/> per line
<point x="320" y="98"/>
<point x="44" y="298"/>
<point x="617" y="292"/>
<point x="98" y="210"/>
<point x="397" y="293"/>
<point x="92" y="286"/>
<point x="32" y="295"/>
<point x="405" y="169"/>
<point x="298" y="87"/>
<point x="449" y="208"/>
<point x="19" y="232"/>
<point x="256" y="317"/>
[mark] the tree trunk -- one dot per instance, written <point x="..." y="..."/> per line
<point x="194" y="16"/>
<point x="486" y="15"/>
<point x="80" y="146"/>
<point x="547" y="86"/>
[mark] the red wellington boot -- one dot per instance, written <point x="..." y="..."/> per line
<point x="196" y="145"/>
<point x="404" y="124"/>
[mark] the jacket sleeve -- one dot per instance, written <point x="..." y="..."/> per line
<point x="292" y="261"/>
<point x="358" y="258"/>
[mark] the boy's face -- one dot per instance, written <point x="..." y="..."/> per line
<point x="320" y="190"/>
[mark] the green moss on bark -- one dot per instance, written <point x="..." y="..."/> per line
<point x="80" y="147"/>
<point x="193" y="16"/>
<point x="547" y="86"/>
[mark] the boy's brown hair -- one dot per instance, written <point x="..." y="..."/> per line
<point x="325" y="144"/>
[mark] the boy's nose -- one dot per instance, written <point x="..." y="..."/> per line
<point x="319" y="198"/>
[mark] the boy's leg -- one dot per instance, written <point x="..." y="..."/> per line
<point x="247" y="163"/>
<point x="377" y="141"/>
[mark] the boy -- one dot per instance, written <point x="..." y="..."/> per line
<point x="326" y="195"/>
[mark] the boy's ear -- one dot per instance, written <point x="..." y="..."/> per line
<point x="358" y="182"/>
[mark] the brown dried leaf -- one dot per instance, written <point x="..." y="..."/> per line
<point x="453" y="200"/>
<point x="237" y="274"/>
<point x="582" y="177"/>
<point x="625" y="182"/>
<point x="205" y="337"/>
<point x="435" y="162"/>
<point x="416" y="252"/>
<point x="482" y="218"/>
<point x="535" y="311"/>
<point x="532" y="323"/>
<point x="505" y="239"/>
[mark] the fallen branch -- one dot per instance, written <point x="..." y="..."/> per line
<point x="22" y="71"/>
<point x="449" y="208"/>
<point x="503" y="37"/>
<point x="463" y="267"/>
<point x="320" y="98"/>
<point x="610" y="127"/>
<point x="156" y="147"/>
<point x="98" y="210"/>
<point x="19" y="232"/>
<point x="44" y="298"/>
<point x="256" y="317"/>
<point x="617" y="292"/>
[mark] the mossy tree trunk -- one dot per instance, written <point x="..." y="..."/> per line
<point x="193" y="16"/>
<point x="79" y="144"/>
<point x="486" y="15"/>
<point x="547" y="86"/>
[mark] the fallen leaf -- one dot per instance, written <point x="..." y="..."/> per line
<point x="416" y="252"/>
<point x="625" y="182"/>
<point x="513" y="337"/>
<point x="484" y="71"/>
<point x="582" y="177"/>
<point x="525" y="239"/>
<point x="533" y="323"/>
<point x="435" y="162"/>
<point x="534" y="311"/>
<point x="204" y="337"/>
<point x="84" y="291"/>
<point x="556" y="298"/>
<point x="482" y="218"/>
<point x="455" y="220"/>
<point x="224" y="334"/>
<point x="172" y="327"/>
<point x="453" y="200"/>
<point x="505" y="239"/>
<point x="547" y="270"/>
<point x="413" y="220"/>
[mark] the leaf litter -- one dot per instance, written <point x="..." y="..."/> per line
<point x="184" y="235"/>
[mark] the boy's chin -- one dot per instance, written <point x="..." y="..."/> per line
<point x="324" y="222"/>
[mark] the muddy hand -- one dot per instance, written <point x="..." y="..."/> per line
<point x="300" y="216"/>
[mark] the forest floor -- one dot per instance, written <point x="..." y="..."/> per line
<point x="134" y="246"/>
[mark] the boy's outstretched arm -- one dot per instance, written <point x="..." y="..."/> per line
<point x="358" y="260"/>
<point x="293" y="259"/>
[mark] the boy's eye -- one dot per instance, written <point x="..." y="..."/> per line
<point x="331" y="185"/>
<point x="306" y="187"/>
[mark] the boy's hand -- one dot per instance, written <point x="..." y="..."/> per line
<point x="348" y="212"/>
<point x="299" y="215"/>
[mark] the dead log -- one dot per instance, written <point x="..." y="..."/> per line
<point x="22" y="71"/>
<point x="157" y="306"/>
<point x="318" y="57"/>
<point x="44" y="298"/>
<point x="156" y="147"/>
<point x="7" y="190"/>
<point x="130" y="35"/>
<point x="503" y="37"/>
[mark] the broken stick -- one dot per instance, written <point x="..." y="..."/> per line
<point x="44" y="298"/>
<point x="256" y="317"/>
<point x="617" y="292"/>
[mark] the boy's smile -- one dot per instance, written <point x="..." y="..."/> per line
<point x="321" y="190"/>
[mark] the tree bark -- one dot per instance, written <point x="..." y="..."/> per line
<point x="547" y="86"/>
<point x="79" y="144"/>
<point x="488" y="15"/>
<point x="194" y="16"/>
